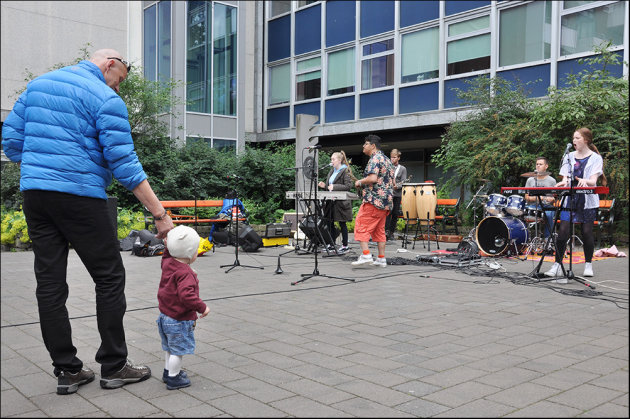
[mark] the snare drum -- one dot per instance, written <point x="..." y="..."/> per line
<point x="515" y="205"/>
<point x="426" y="202"/>
<point x="495" y="204"/>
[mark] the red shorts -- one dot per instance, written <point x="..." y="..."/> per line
<point x="370" y="221"/>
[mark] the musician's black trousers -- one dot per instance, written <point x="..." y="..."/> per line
<point x="587" y="237"/>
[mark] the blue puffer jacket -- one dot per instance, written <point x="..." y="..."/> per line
<point x="71" y="132"/>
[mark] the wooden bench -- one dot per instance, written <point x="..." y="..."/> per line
<point x="169" y="206"/>
<point x="447" y="212"/>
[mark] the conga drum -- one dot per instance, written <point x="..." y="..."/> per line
<point x="408" y="202"/>
<point x="426" y="202"/>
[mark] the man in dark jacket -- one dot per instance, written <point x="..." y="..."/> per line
<point x="70" y="132"/>
<point x="400" y="176"/>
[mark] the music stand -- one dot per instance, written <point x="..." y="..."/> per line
<point x="236" y="244"/>
<point x="316" y="242"/>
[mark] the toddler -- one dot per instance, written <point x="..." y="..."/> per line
<point x="179" y="303"/>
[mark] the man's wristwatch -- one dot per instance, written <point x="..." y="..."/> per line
<point x="161" y="217"/>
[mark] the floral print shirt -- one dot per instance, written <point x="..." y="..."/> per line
<point x="381" y="193"/>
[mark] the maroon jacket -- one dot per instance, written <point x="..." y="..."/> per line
<point x="178" y="295"/>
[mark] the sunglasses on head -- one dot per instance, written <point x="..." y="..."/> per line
<point x="125" y="63"/>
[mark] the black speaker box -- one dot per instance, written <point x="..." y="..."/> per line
<point x="307" y="225"/>
<point x="248" y="239"/>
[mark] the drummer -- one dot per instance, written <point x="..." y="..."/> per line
<point x="542" y="180"/>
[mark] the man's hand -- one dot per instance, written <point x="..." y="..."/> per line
<point x="163" y="226"/>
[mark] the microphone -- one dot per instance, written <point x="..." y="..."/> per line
<point x="313" y="147"/>
<point x="566" y="150"/>
<point x="234" y="177"/>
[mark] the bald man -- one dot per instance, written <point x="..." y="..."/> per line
<point x="70" y="132"/>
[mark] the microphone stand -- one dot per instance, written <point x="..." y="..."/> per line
<point x="236" y="244"/>
<point x="316" y="241"/>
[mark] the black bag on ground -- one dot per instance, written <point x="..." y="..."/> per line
<point x="146" y="244"/>
<point x="249" y="240"/>
<point x="126" y="244"/>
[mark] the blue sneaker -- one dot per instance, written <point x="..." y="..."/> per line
<point x="165" y="374"/>
<point x="179" y="381"/>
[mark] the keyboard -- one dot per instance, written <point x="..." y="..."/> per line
<point x="321" y="195"/>
<point x="511" y="190"/>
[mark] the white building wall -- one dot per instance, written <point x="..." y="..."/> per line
<point x="36" y="35"/>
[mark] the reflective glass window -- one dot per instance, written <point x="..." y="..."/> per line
<point x="280" y="6"/>
<point x="279" y="84"/>
<point x="224" y="60"/>
<point x="308" y="78"/>
<point x="150" y="42"/>
<point x="420" y="55"/>
<point x="525" y="33"/>
<point x="341" y="66"/>
<point x="164" y="41"/>
<point x="468" y="53"/>
<point x="583" y="30"/>
<point x="198" y="88"/>
<point x="377" y="66"/>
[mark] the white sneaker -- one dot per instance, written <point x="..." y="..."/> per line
<point x="588" y="269"/>
<point x="382" y="262"/>
<point x="363" y="259"/>
<point x="556" y="270"/>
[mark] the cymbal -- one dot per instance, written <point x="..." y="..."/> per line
<point x="535" y="173"/>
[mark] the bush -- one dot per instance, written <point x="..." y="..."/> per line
<point x="129" y="220"/>
<point x="13" y="227"/>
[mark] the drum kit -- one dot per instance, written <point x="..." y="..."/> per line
<point x="507" y="224"/>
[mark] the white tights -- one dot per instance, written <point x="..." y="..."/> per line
<point x="173" y="363"/>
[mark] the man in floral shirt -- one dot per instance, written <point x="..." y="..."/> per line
<point x="378" y="201"/>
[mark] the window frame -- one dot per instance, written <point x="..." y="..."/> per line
<point x="297" y="73"/>
<point x="368" y="41"/>
<point x="454" y="38"/>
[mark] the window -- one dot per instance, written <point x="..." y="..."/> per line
<point x="468" y="46"/>
<point x="377" y="65"/>
<point x="279" y="84"/>
<point x="224" y="145"/>
<point x="157" y="41"/>
<point x="198" y="88"/>
<point x="341" y="72"/>
<point x="583" y="30"/>
<point x="525" y="33"/>
<point x="308" y="76"/>
<point x="420" y="55"/>
<point x="224" y="62"/>
<point x="211" y="58"/>
<point x="303" y="3"/>
<point x="280" y="7"/>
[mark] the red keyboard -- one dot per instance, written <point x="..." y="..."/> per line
<point x="511" y="190"/>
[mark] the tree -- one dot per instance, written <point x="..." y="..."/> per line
<point x="505" y="131"/>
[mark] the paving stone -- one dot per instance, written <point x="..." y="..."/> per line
<point x="422" y="408"/>
<point x="374" y="392"/>
<point x="460" y="394"/>
<point x="544" y="409"/>
<point x="508" y="377"/>
<point x="523" y="395"/>
<point x="241" y="406"/>
<point x="14" y="403"/>
<point x="301" y="407"/>
<point x="608" y="410"/>
<point x="565" y="379"/>
<point x="175" y="401"/>
<point x="477" y="409"/>
<point x="258" y="390"/>
<point x="585" y="396"/>
<point x="123" y="404"/>
<point x="359" y="407"/>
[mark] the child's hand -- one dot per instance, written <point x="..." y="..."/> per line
<point x="205" y="313"/>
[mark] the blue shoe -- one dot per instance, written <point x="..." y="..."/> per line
<point x="179" y="381"/>
<point x="165" y="374"/>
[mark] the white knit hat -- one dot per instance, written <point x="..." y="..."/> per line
<point x="182" y="242"/>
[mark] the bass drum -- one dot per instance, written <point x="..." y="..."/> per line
<point x="426" y="202"/>
<point x="495" y="235"/>
<point x="408" y="202"/>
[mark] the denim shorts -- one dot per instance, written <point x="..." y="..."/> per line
<point x="178" y="336"/>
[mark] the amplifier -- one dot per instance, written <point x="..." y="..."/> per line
<point x="277" y="230"/>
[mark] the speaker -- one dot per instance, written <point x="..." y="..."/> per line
<point x="248" y="239"/>
<point x="467" y="249"/>
<point x="307" y="225"/>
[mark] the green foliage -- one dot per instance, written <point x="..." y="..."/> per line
<point x="129" y="220"/>
<point x="505" y="130"/>
<point x="10" y="194"/>
<point x="13" y="227"/>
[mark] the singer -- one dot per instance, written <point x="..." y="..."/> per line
<point x="338" y="179"/>
<point x="582" y="167"/>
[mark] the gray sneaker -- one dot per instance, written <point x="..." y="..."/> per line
<point x="68" y="383"/>
<point x="128" y="374"/>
